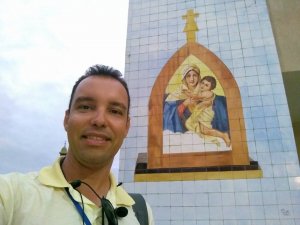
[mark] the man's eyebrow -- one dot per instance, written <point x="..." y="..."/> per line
<point x="119" y="104"/>
<point x="90" y="99"/>
<point x="83" y="99"/>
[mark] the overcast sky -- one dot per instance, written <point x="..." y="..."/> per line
<point x="44" y="47"/>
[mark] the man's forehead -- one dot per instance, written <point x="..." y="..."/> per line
<point x="91" y="86"/>
<point x="98" y="78"/>
<point x="99" y="81"/>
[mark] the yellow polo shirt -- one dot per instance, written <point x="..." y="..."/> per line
<point x="40" y="199"/>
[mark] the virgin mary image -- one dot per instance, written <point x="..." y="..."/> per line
<point x="180" y="104"/>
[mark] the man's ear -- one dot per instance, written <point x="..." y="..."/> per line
<point x="127" y="125"/>
<point x="66" y="119"/>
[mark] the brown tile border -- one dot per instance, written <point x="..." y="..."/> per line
<point x="143" y="174"/>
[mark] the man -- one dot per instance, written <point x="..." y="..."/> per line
<point x="79" y="188"/>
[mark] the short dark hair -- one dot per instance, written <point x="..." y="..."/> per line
<point x="101" y="71"/>
<point x="211" y="80"/>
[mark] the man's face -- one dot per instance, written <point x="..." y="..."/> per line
<point x="97" y="121"/>
<point x="192" y="78"/>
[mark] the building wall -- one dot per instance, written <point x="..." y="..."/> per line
<point x="285" y="20"/>
<point x="240" y="34"/>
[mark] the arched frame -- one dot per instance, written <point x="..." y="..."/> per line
<point x="239" y="153"/>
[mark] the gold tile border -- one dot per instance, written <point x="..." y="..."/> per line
<point x="188" y="176"/>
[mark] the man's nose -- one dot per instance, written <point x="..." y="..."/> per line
<point x="99" y="118"/>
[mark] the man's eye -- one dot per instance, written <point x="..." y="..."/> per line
<point x="116" y="111"/>
<point x="84" y="107"/>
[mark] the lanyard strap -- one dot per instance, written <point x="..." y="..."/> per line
<point x="79" y="208"/>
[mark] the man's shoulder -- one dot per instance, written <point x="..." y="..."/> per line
<point x="13" y="182"/>
<point x="18" y="178"/>
<point x="140" y="208"/>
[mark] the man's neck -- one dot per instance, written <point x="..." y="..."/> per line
<point x="98" y="179"/>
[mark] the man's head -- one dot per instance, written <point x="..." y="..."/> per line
<point x="101" y="70"/>
<point x="97" y="120"/>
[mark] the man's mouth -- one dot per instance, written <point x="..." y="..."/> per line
<point x="96" y="138"/>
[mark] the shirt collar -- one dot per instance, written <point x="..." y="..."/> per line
<point x="53" y="176"/>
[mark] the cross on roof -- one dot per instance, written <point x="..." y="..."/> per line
<point x="191" y="25"/>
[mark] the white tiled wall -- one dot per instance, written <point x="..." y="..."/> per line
<point x="240" y="34"/>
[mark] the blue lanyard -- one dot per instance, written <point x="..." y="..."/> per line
<point x="79" y="208"/>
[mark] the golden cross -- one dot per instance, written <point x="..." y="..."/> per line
<point x="191" y="25"/>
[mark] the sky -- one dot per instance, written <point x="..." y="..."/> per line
<point x="45" y="46"/>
